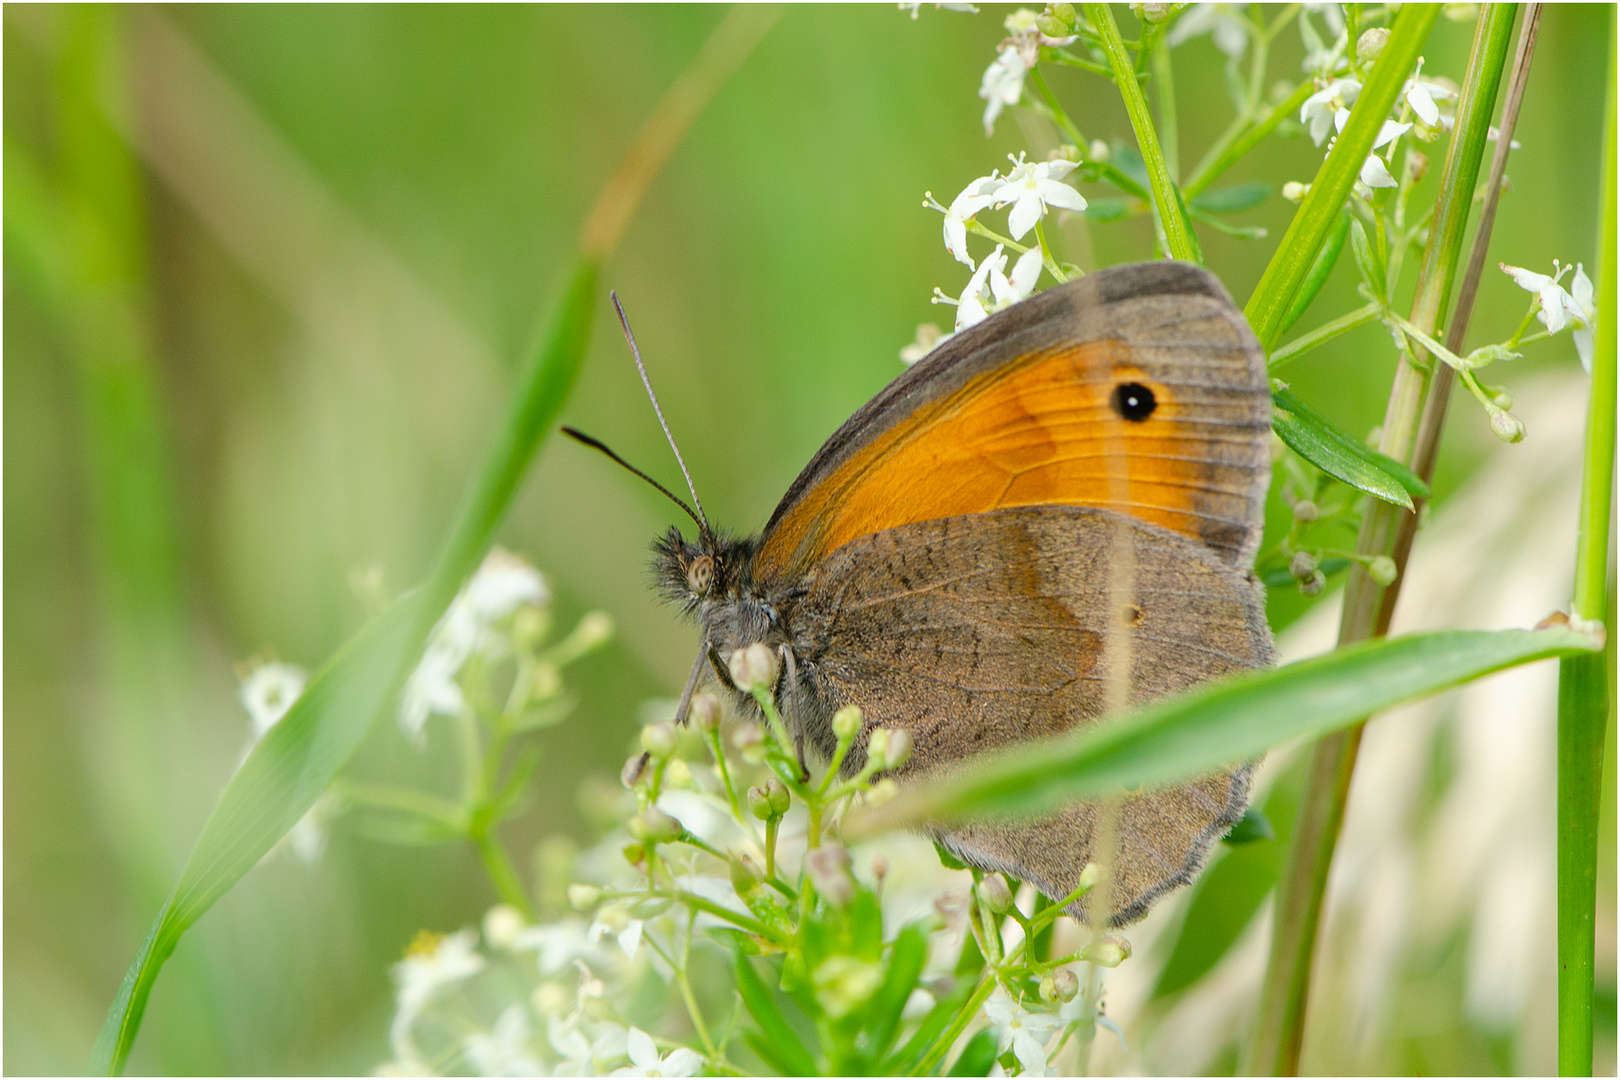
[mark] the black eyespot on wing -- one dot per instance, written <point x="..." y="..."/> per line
<point x="1134" y="402"/>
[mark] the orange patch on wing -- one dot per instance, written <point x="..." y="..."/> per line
<point x="1039" y="431"/>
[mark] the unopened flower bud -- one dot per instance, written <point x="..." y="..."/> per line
<point x="1065" y="14"/>
<point x="634" y="770"/>
<point x="994" y="892"/>
<point x="1507" y="427"/>
<point x="759" y="803"/>
<point x="583" y="897"/>
<point x="777" y="792"/>
<point x="846" y="722"/>
<point x="1089" y="876"/>
<point x="704" y="711"/>
<point x="1061" y="985"/>
<point x="1313" y="585"/>
<point x="1302" y="565"/>
<point x="1151" y="13"/>
<point x="1370" y="44"/>
<point x="1110" y="952"/>
<point x="1305" y="511"/>
<point x="659" y="740"/>
<point x="753" y="668"/>
<point x="1050" y="26"/>
<point x="750" y="742"/>
<point x="881" y="792"/>
<point x="898" y="751"/>
<point x="745" y="875"/>
<point x="1382" y="570"/>
<point x="654" y="826"/>
<point x="828" y="867"/>
<point x="502" y="925"/>
<point x="1097" y="151"/>
<point x="1503" y="399"/>
<point x="1295" y="192"/>
<point x="877" y="747"/>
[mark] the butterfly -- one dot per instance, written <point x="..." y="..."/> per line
<point x="1053" y="513"/>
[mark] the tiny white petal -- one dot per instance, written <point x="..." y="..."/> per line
<point x="1528" y="280"/>
<point x="1026" y="271"/>
<point x="1422" y="104"/>
<point x="1374" y="173"/>
<point x="1061" y="195"/>
<point x="1583" y="347"/>
<point x="1025" y="213"/>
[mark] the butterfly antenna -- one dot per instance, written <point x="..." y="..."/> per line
<point x="597" y="444"/>
<point x="700" y="517"/>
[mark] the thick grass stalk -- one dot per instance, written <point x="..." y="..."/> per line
<point x="1178" y="233"/>
<point x="1583" y="689"/>
<point x="287" y="771"/>
<point x="1279" y="1032"/>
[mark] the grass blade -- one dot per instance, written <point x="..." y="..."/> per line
<point x="1341" y="455"/>
<point x="1269" y="305"/>
<point x="1225" y="721"/>
<point x="1583" y="681"/>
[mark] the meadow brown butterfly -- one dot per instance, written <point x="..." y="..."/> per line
<point x="956" y="559"/>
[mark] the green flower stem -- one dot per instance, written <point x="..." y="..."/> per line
<point x="771" y="828"/>
<point x="422" y="804"/>
<point x="1280" y="1030"/>
<point x="1068" y="59"/>
<point x="1224" y="157"/>
<point x="1268" y="306"/>
<point x="1048" y="260"/>
<point x="1324" y="334"/>
<point x="1164" y="91"/>
<point x="742" y="922"/>
<point x="959" y="1024"/>
<point x="1583" y="686"/>
<point x="713" y="739"/>
<point x="692" y="1008"/>
<point x="501" y="872"/>
<point x="1059" y="115"/>
<point x="1178" y="233"/>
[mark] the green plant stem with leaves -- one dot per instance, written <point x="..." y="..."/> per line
<point x="1584" y="687"/>
<point x="1279" y="1033"/>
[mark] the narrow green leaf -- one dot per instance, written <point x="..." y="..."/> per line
<point x="1367" y="261"/>
<point x="906" y="959"/>
<point x="1321" y="269"/>
<point x="1230" y="200"/>
<point x="793" y="1058"/>
<point x="1273" y="297"/>
<point x="977" y="1056"/>
<point x="905" y="1060"/>
<point x="300" y="756"/>
<point x="1221" y="722"/>
<point x="1253" y="826"/>
<point x="1341" y="455"/>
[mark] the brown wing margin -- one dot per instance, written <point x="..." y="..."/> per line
<point x="1022" y="410"/>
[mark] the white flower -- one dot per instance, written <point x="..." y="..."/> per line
<point x="990" y="289"/>
<point x="1374" y="173"/>
<point x="433" y="963"/>
<point x="503" y="583"/>
<point x="1002" y="85"/>
<point x="268" y="692"/>
<point x="1561" y="308"/>
<point x="944" y="6"/>
<point x="1229" y="29"/>
<point x="1032" y="188"/>
<point x="927" y="340"/>
<point x="614" y="919"/>
<point x="505" y="1050"/>
<point x="1322" y="107"/>
<point x="557" y="944"/>
<point x="504" y="926"/>
<point x="1025" y="1032"/>
<point x="645" y="1060"/>
<point x="975" y="197"/>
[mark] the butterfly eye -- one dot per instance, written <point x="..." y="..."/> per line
<point x="1134" y="402"/>
<point x="700" y="574"/>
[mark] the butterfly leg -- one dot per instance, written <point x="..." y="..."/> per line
<point x="790" y="667"/>
<point x="692" y="683"/>
<point x="721" y="671"/>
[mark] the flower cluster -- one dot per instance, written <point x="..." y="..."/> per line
<point x="722" y="854"/>
<point x="1557" y="308"/>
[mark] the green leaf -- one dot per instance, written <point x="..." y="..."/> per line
<point x="1273" y="297"/>
<point x="299" y="758"/>
<point x="977" y="1056"/>
<point x="1341" y="455"/>
<point x="1230" y="200"/>
<point x="922" y="1040"/>
<point x="1321" y="269"/>
<point x="781" y="1046"/>
<point x="1252" y="826"/>
<point x="1367" y="261"/>
<point x="1228" y="720"/>
<point x="906" y="959"/>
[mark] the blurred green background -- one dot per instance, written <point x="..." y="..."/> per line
<point x="269" y="272"/>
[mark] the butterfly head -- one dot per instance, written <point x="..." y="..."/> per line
<point x="694" y="572"/>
